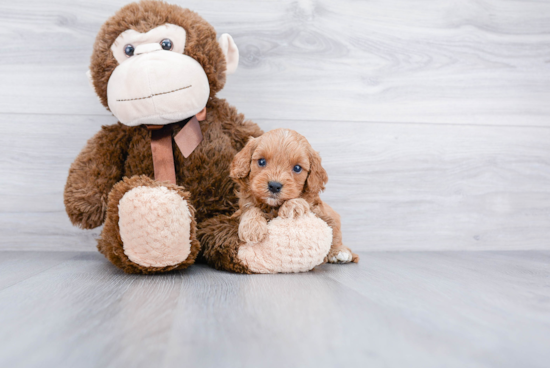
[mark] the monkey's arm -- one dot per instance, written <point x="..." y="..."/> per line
<point x="225" y="133"/>
<point x="96" y="169"/>
<point x="234" y="124"/>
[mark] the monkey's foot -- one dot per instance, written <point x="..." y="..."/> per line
<point x="292" y="244"/>
<point x="150" y="227"/>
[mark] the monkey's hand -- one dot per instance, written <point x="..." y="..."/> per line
<point x="253" y="226"/>
<point x="98" y="167"/>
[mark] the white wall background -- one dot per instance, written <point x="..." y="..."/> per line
<point x="432" y="117"/>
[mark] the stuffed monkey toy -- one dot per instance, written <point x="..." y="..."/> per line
<point x="158" y="180"/>
<point x="163" y="169"/>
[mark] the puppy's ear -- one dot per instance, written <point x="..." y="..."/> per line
<point x="240" y="167"/>
<point x="317" y="177"/>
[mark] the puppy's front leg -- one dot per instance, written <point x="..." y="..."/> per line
<point x="253" y="226"/>
<point x="293" y="208"/>
<point x="338" y="253"/>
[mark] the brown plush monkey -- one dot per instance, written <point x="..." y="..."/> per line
<point x="156" y="65"/>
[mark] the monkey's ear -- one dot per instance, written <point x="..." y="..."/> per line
<point x="91" y="82"/>
<point x="90" y="79"/>
<point x="240" y="167"/>
<point x="230" y="51"/>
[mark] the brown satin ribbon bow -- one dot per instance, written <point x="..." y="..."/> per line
<point x="187" y="139"/>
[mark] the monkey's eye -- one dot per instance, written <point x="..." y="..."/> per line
<point x="166" y="44"/>
<point x="262" y="162"/>
<point x="129" y="50"/>
<point x="297" y="169"/>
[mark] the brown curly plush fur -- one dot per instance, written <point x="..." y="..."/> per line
<point x="119" y="151"/>
<point x="110" y="243"/>
<point x="220" y="243"/>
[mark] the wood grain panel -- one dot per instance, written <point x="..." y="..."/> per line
<point x="16" y="267"/>
<point x="393" y="309"/>
<point x="468" y="62"/>
<point x="90" y="293"/>
<point x="397" y="186"/>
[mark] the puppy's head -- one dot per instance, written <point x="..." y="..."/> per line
<point x="278" y="166"/>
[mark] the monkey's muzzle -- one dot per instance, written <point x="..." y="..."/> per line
<point x="157" y="87"/>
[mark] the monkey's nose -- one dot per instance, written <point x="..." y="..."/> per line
<point x="274" y="186"/>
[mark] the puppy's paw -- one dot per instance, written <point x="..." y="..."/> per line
<point x="253" y="229"/>
<point x="342" y="254"/>
<point x="293" y="208"/>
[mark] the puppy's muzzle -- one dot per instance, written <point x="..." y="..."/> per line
<point x="274" y="187"/>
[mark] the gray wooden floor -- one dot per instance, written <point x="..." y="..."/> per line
<point x="393" y="309"/>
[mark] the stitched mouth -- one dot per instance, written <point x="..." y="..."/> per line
<point x="154" y="94"/>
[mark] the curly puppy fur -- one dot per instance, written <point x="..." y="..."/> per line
<point x="282" y="150"/>
<point x="119" y="151"/>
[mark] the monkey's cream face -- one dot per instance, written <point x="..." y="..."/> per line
<point x="155" y="83"/>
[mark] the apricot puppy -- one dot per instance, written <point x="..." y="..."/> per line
<point x="281" y="175"/>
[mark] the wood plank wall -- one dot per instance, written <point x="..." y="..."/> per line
<point x="432" y="117"/>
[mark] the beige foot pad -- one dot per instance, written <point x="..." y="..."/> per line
<point x="291" y="245"/>
<point x="155" y="226"/>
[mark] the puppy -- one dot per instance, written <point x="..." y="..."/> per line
<point x="280" y="175"/>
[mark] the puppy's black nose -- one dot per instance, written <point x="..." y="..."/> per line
<point x="274" y="186"/>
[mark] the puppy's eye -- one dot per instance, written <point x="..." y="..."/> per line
<point x="166" y="44"/>
<point x="129" y="50"/>
<point x="262" y="162"/>
<point x="297" y="169"/>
